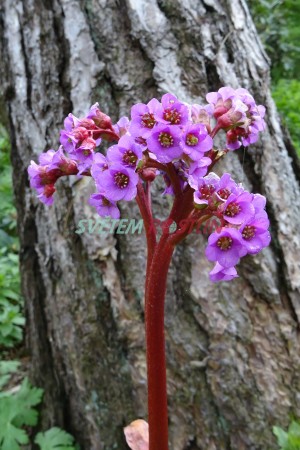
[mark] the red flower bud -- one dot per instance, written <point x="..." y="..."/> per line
<point x="103" y="121"/>
<point x="148" y="174"/>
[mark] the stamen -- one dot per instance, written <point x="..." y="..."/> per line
<point x="191" y="140"/>
<point x="172" y="115"/>
<point x="130" y="158"/>
<point x="224" y="243"/>
<point x="121" y="180"/>
<point x="206" y="191"/>
<point x="232" y="209"/>
<point x="148" y="120"/>
<point x="166" y="139"/>
<point x="249" y="232"/>
<point x="224" y="193"/>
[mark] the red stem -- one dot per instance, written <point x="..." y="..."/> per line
<point x="215" y="130"/>
<point x="156" y="282"/>
<point x="144" y="205"/>
<point x="158" y="263"/>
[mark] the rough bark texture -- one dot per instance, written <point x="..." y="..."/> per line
<point x="233" y="349"/>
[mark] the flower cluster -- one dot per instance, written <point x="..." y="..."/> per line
<point x="43" y="176"/>
<point x="244" y="223"/>
<point x="237" y="113"/>
<point x="174" y="140"/>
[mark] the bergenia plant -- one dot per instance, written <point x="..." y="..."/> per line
<point x="173" y="141"/>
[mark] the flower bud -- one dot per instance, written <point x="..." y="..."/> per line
<point x="222" y="107"/>
<point x="148" y="174"/>
<point x="103" y="121"/>
<point x="229" y="119"/>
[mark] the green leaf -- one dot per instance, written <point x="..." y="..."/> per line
<point x="55" y="439"/>
<point x="289" y="440"/>
<point x="28" y="397"/>
<point x="10" y="294"/>
<point x="17" y="410"/>
<point x="282" y="436"/>
<point x="294" y="429"/>
<point x="6" y="368"/>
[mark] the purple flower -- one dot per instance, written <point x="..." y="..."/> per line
<point x="226" y="187"/>
<point x="237" y="112"/>
<point x="206" y="187"/>
<point x="43" y="181"/>
<point x="46" y="158"/>
<point x="43" y="176"/>
<point x="255" y="114"/>
<point x="122" y="126"/>
<point x="127" y="152"/>
<point x="164" y="142"/>
<point x="94" y="111"/>
<point x="84" y="154"/>
<point x="96" y="119"/>
<point x="118" y="183"/>
<point x="202" y="114"/>
<point x="197" y="170"/>
<point x="100" y="164"/>
<point x="221" y="100"/>
<point x="71" y="122"/>
<point x="238" y="208"/>
<point x="220" y="273"/>
<point x="259" y="203"/>
<point x="235" y="116"/>
<point x="225" y="247"/>
<point x="196" y="141"/>
<point x="60" y="161"/>
<point x="232" y="139"/>
<point x="72" y="139"/>
<point x="45" y="195"/>
<point x="255" y="234"/>
<point x="172" y="111"/>
<point x="142" y="118"/>
<point x="104" y="206"/>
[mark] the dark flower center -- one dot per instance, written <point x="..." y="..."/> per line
<point x="191" y="140"/>
<point x="206" y="191"/>
<point x="130" y="158"/>
<point x="248" y="232"/>
<point x="121" y="180"/>
<point x="172" y="115"/>
<point x="105" y="201"/>
<point x="165" y="139"/>
<point x="224" y="193"/>
<point x="232" y="209"/>
<point x="224" y="243"/>
<point x="148" y="120"/>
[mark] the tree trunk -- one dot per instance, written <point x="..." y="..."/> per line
<point x="233" y="348"/>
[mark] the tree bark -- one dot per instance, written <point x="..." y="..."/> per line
<point x="232" y="348"/>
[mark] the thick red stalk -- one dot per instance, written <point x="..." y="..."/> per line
<point x="158" y="263"/>
<point x="144" y="205"/>
<point x="156" y="282"/>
